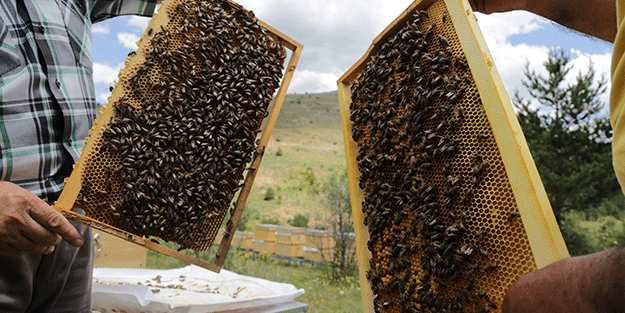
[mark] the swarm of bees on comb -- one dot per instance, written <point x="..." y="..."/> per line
<point x="438" y="205"/>
<point x="175" y="150"/>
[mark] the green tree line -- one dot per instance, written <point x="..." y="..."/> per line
<point x="569" y="135"/>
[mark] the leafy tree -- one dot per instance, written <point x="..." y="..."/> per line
<point x="340" y="223"/>
<point x="568" y="135"/>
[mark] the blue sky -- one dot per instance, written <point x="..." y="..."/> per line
<point x="335" y="34"/>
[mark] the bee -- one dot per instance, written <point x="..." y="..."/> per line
<point x="443" y="41"/>
<point x="483" y="252"/>
<point x="478" y="236"/>
<point x="513" y="216"/>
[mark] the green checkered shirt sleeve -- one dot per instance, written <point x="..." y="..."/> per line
<point x="47" y="98"/>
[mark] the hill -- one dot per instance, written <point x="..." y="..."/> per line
<point x="305" y="150"/>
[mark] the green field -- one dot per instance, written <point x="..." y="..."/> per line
<point x="306" y="148"/>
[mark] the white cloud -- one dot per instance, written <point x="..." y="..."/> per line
<point x="128" y="40"/>
<point x="105" y="76"/>
<point x="101" y="28"/>
<point x="500" y="26"/>
<point x="335" y="34"/>
<point x="601" y="64"/>
<point x="103" y="97"/>
<point x="104" y="73"/>
<point x="511" y="59"/>
<point x="311" y="81"/>
<point x="140" y="22"/>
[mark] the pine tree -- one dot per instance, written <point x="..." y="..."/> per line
<point x="568" y="135"/>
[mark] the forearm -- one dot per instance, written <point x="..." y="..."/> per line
<point x="590" y="283"/>
<point x="596" y="18"/>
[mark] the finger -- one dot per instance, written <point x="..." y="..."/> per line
<point x="49" y="250"/>
<point x="10" y="249"/>
<point x="25" y="245"/>
<point x="39" y="234"/>
<point x="54" y="221"/>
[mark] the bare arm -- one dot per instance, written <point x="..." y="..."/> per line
<point x="29" y="225"/>
<point x="596" y="18"/>
<point x="591" y="283"/>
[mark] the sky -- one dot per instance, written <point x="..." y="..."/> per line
<point x="335" y="34"/>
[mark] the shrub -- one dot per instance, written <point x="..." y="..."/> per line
<point x="270" y="194"/>
<point x="299" y="220"/>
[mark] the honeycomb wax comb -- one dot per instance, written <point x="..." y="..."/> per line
<point x="179" y="137"/>
<point x="448" y="206"/>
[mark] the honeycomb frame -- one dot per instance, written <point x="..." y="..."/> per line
<point x="97" y="147"/>
<point x="508" y="219"/>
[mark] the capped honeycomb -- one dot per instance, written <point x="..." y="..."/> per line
<point x="445" y="231"/>
<point x="180" y="129"/>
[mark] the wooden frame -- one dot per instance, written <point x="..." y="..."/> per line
<point x="73" y="184"/>
<point x="542" y="230"/>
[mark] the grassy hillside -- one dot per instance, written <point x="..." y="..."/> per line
<point x="305" y="150"/>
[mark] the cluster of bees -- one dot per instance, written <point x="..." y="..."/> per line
<point x="176" y="148"/>
<point x="417" y="177"/>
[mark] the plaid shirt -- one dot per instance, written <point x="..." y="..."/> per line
<point x="47" y="97"/>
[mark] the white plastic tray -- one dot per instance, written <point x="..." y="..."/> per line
<point x="184" y="290"/>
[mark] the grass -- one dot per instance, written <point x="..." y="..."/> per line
<point x="304" y="151"/>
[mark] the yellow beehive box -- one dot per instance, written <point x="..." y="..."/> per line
<point x="111" y="251"/>
<point x="291" y="235"/>
<point x="321" y="239"/>
<point x="262" y="246"/>
<point x="238" y="239"/>
<point x="289" y="250"/>
<point x="265" y="232"/>
<point x="247" y="242"/>
<point x="319" y="255"/>
<point x="442" y="183"/>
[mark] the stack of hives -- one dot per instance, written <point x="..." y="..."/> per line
<point x="238" y="239"/>
<point x="319" y="246"/>
<point x="174" y="142"/>
<point x="290" y="242"/>
<point x="264" y="238"/>
<point x="248" y="240"/>
<point x="241" y="239"/>
<point x="444" y="227"/>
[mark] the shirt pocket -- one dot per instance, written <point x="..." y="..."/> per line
<point x="78" y="27"/>
<point x="9" y="57"/>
